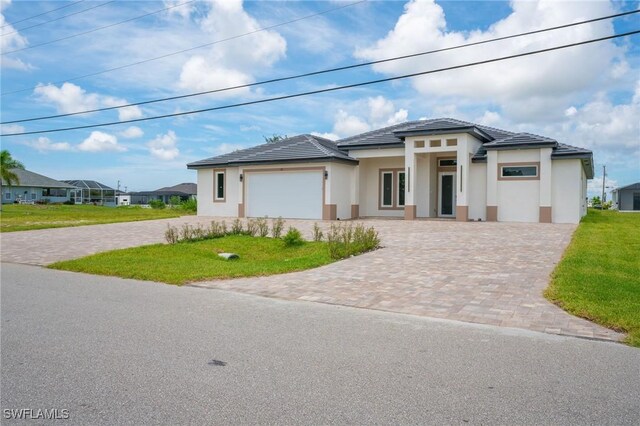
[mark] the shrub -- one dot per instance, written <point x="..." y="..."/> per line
<point x="236" y="227"/>
<point x="43" y="201"/>
<point x="345" y="240"/>
<point x="317" y="233"/>
<point x="263" y="227"/>
<point x="276" y="227"/>
<point x="175" y="201"/>
<point x="293" y="237"/>
<point x="252" y="227"/>
<point x="171" y="234"/>
<point x="69" y="202"/>
<point x="157" y="204"/>
<point x="190" y="205"/>
<point x="217" y="230"/>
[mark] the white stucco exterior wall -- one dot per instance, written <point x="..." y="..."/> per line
<point x="478" y="191"/>
<point x="567" y="190"/>
<point x="369" y="185"/>
<point x="340" y="185"/>
<point x="206" y="205"/>
<point x="518" y="200"/>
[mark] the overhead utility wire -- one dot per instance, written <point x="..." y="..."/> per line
<point x="97" y="29"/>
<point x="57" y="19"/>
<point x="193" y="48"/>
<point x="331" y="89"/>
<point x="310" y="73"/>
<point x="40" y="14"/>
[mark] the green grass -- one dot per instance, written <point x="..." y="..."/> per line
<point x="20" y="217"/>
<point x="599" y="275"/>
<point x="186" y="262"/>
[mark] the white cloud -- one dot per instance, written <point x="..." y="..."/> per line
<point x="11" y="40"/>
<point x="132" y="132"/>
<point x="523" y="87"/>
<point x="378" y="112"/>
<point x="44" y="144"/>
<point x="70" y="98"/>
<point x="11" y="128"/>
<point x="594" y="186"/>
<point x="101" y="142"/>
<point x="164" y="147"/>
<point x="331" y="136"/>
<point x="225" y="148"/>
<point x="233" y="62"/>
<point x="489" y="118"/>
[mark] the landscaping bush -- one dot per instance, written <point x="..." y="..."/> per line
<point x="263" y="227"/>
<point x="69" y="203"/>
<point x="190" y="205"/>
<point x="317" y="233"/>
<point x="252" y="227"/>
<point x="276" y="227"/>
<point x="293" y="237"/>
<point x="175" y="201"/>
<point x="157" y="204"/>
<point x="195" y="233"/>
<point x="346" y="240"/>
<point x="171" y="234"/>
<point x="217" y="230"/>
<point x="43" y="201"/>
<point x="236" y="227"/>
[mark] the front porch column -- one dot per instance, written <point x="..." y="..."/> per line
<point x="492" y="186"/>
<point x="411" y="167"/>
<point x="545" y="214"/>
<point x="355" y="193"/>
<point x="462" y="181"/>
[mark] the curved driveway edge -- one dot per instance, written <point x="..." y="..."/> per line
<point x="488" y="273"/>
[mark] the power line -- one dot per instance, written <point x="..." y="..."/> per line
<point x="56" y="19"/>
<point x="192" y="48"/>
<point x="97" y="29"/>
<point x="331" y="89"/>
<point x="315" y="72"/>
<point x="40" y="14"/>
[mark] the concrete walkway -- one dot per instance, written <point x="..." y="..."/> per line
<point x="488" y="273"/>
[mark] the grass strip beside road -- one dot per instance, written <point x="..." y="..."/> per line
<point x="21" y="217"/>
<point x="599" y="275"/>
<point x="186" y="262"/>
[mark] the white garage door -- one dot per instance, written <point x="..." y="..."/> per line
<point x="294" y="195"/>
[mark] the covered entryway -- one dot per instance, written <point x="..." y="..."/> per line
<point x="295" y="194"/>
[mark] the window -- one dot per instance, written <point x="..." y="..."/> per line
<point x="452" y="142"/>
<point x="519" y="171"/>
<point x="33" y="196"/>
<point x="387" y="189"/>
<point x="447" y="162"/>
<point x="401" y="185"/>
<point x="435" y="143"/>
<point x="219" y="184"/>
<point x="393" y="184"/>
<point x="7" y="195"/>
<point x="418" y="144"/>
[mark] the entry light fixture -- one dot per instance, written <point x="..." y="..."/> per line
<point x="240" y="177"/>
<point x="326" y="174"/>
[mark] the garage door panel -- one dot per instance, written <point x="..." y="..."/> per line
<point x="295" y="195"/>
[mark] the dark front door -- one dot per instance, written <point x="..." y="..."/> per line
<point x="636" y="200"/>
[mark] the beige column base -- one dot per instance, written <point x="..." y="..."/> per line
<point x="329" y="212"/>
<point x="462" y="213"/>
<point x="492" y="213"/>
<point x="545" y="215"/>
<point x="409" y="212"/>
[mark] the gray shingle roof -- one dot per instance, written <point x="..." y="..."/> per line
<point x="186" y="188"/>
<point x="391" y="135"/>
<point x="35" y="180"/>
<point x="294" y="149"/>
<point x="521" y="140"/>
<point x="632" y="186"/>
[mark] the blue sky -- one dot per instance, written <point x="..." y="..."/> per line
<point x="587" y="96"/>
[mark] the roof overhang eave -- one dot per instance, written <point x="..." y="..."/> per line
<point x="194" y="166"/>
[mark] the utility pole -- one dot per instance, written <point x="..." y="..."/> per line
<point x="604" y="178"/>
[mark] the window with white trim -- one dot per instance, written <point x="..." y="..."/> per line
<point x="447" y="162"/>
<point x="527" y="171"/>
<point x="401" y="186"/>
<point x="7" y="195"/>
<point x="386" y="188"/>
<point x="219" y="190"/>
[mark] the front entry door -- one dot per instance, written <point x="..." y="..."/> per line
<point x="447" y="194"/>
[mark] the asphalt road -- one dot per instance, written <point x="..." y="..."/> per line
<point x="129" y="352"/>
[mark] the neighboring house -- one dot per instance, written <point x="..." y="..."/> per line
<point x="32" y="187"/>
<point x="184" y="191"/>
<point x="627" y="198"/>
<point x="439" y="168"/>
<point x="92" y="192"/>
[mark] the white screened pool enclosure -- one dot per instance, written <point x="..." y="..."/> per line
<point x="92" y="192"/>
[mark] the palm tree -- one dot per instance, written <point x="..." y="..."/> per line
<point x="7" y="163"/>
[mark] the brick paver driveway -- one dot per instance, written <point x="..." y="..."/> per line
<point x="488" y="273"/>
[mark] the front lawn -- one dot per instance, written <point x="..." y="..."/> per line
<point x="186" y="262"/>
<point x="599" y="275"/>
<point x="21" y="217"/>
